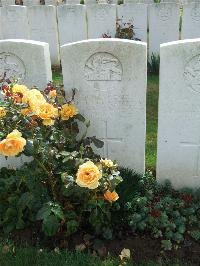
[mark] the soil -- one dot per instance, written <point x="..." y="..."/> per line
<point x="142" y="247"/>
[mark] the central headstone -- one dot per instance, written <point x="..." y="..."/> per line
<point x="72" y="23"/>
<point x="101" y="20"/>
<point x="179" y="114"/>
<point x="110" y="78"/>
<point x="163" y="25"/>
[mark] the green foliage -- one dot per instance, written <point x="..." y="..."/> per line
<point x="48" y="190"/>
<point x="153" y="64"/>
<point x="146" y="206"/>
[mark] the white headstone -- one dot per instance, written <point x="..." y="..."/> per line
<point x="191" y="21"/>
<point x="72" y="23"/>
<point x="72" y="2"/>
<point x="163" y="25"/>
<point x="101" y="20"/>
<point x="139" y="1"/>
<point x="15" y="22"/>
<point x="179" y="114"/>
<point x="136" y="15"/>
<point x="43" y="27"/>
<point x="27" y="60"/>
<point x="31" y="2"/>
<point x="51" y="2"/>
<point x="110" y="77"/>
<point x="7" y="2"/>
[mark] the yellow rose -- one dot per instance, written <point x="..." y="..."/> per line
<point x="21" y="89"/>
<point x="111" y="196"/>
<point x="47" y="112"/>
<point x="107" y="163"/>
<point x="2" y="112"/>
<point x="88" y="175"/>
<point x="13" y="144"/>
<point x="68" y="111"/>
<point x="35" y="99"/>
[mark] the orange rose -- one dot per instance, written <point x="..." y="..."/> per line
<point x="53" y="94"/>
<point x="13" y="144"/>
<point x="47" y="112"/>
<point x="111" y="196"/>
<point x="88" y="175"/>
<point x="68" y="111"/>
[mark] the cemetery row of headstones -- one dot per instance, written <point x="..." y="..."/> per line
<point x="87" y="2"/>
<point x="71" y="23"/>
<point x="110" y="77"/>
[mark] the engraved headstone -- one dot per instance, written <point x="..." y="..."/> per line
<point x="43" y="27"/>
<point x="72" y="23"/>
<point x="179" y="114"/>
<point x="163" y="25"/>
<point x="15" y="22"/>
<point x="191" y="21"/>
<point x="110" y="77"/>
<point x="101" y="20"/>
<point x="27" y="60"/>
<point x="135" y="15"/>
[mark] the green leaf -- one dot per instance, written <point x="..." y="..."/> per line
<point x="72" y="227"/>
<point x="50" y="225"/>
<point x="44" y="212"/>
<point x="56" y="209"/>
<point x="97" y="142"/>
<point x="80" y="118"/>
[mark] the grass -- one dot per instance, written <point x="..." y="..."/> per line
<point x="152" y="122"/>
<point x="29" y="256"/>
<point x="152" y="117"/>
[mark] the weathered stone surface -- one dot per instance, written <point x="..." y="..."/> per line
<point x="110" y="77"/>
<point x="191" y="21"/>
<point x="179" y="114"/>
<point x="31" y="2"/>
<point x="43" y="27"/>
<point x="101" y="20"/>
<point x="163" y="25"/>
<point x="72" y="23"/>
<point x="7" y="2"/>
<point x="27" y="60"/>
<point x="136" y="15"/>
<point x="72" y="2"/>
<point x="15" y="22"/>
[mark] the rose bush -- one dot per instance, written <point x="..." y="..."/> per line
<point x="65" y="185"/>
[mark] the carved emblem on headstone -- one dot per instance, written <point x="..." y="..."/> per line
<point x="192" y="73"/>
<point x="165" y="13"/>
<point x="103" y="67"/>
<point x="195" y="13"/>
<point x="13" y="66"/>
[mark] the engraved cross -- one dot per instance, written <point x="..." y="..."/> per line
<point x="108" y="140"/>
<point x="197" y="163"/>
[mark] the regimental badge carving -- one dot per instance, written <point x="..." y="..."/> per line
<point x="103" y="67"/>
<point x="165" y="13"/>
<point x="13" y="66"/>
<point x="192" y="73"/>
<point x="195" y="13"/>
